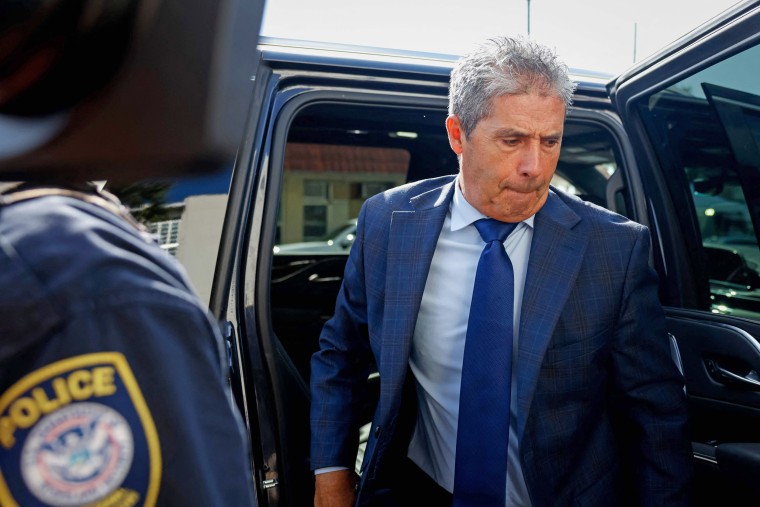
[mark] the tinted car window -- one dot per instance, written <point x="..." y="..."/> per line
<point x="337" y="156"/>
<point x="706" y="131"/>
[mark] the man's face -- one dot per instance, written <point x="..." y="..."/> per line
<point x="508" y="160"/>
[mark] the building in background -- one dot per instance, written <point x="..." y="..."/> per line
<point x="325" y="186"/>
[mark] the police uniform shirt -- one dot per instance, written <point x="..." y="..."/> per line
<point x="112" y="374"/>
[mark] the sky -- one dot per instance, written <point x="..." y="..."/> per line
<point x="605" y="36"/>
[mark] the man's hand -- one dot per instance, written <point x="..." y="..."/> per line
<point x="335" y="489"/>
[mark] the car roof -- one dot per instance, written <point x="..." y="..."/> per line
<point x="303" y="54"/>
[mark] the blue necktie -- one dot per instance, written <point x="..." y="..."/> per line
<point x="480" y="472"/>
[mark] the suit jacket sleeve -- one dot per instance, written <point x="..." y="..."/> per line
<point x="652" y="405"/>
<point x="339" y="369"/>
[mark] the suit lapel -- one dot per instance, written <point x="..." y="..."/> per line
<point x="555" y="258"/>
<point x="411" y="243"/>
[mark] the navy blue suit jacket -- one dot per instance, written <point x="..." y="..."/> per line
<point x="602" y="415"/>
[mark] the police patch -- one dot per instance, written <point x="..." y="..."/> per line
<point x="77" y="432"/>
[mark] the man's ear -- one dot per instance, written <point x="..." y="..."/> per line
<point x="456" y="134"/>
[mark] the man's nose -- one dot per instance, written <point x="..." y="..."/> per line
<point x="530" y="160"/>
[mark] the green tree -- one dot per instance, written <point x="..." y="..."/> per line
<point x="146" y="200"/>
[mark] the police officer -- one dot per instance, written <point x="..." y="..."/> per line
<point x="113" y="376"/>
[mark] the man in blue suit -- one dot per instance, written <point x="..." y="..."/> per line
<point x="597" y="413"/>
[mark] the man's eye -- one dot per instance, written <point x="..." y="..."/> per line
<point x="511" y="142"/>
<point x="551" y="142"/>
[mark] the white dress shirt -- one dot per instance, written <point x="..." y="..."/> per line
<point x="438" y="344"/>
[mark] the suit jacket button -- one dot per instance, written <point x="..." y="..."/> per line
<point x="377" y="432"/>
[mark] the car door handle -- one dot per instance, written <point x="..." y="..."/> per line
<point x="750" y="381"/>
<point x="315" y="278"/>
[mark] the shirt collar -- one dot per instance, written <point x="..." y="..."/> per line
<point x="463" y="214"/>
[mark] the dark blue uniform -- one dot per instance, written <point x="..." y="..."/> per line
<point x="112" y="374"/>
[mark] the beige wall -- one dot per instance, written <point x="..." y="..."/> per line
<point x="341" y="207"/>
<point x="199" y="236"/>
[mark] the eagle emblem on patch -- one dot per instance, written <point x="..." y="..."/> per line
<point x="76" y="432"/>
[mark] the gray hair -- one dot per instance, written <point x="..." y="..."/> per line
<point x="504" y="66"/>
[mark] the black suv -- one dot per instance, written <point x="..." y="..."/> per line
<point x="674" y="144"/>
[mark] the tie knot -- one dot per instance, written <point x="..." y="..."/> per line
<point x="494" y="230"/>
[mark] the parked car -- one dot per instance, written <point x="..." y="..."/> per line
<point x="338" y="241"/>
<point x="332" y="125"/>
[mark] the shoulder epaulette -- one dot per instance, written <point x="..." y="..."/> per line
<point x="100" y="198"/>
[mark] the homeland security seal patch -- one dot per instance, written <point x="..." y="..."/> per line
<point x="70" y="433"/>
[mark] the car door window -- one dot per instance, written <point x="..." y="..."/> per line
<point x="706" y="131"/>
<point x="337" y="156"/>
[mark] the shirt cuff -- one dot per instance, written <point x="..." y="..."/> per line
<point x="328" y="469"/>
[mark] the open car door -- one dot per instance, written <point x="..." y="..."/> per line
<point x="692" y="114"/>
